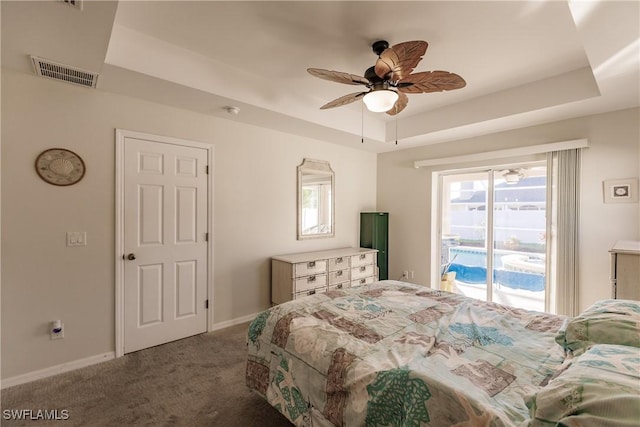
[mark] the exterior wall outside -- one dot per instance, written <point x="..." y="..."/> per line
<point x="254" y="213"/>
<point x="614" y="150"/>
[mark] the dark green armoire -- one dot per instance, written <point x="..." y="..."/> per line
<point x="374" y="233"/>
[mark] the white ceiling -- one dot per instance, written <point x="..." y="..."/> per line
<point x="525" y="62"/>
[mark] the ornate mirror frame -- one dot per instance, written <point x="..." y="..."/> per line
<point x="316" y="190"/>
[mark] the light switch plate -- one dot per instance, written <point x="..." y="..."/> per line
<point x="76" y="238"/>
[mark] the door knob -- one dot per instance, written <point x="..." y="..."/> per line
<point x="131" y="257"/>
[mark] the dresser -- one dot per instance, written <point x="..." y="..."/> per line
<point x="297" y="275"/>
<point x="625" y="270"/>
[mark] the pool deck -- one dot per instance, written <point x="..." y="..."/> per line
<point x="519" y="298"/>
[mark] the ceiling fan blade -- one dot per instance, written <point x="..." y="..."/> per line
<point x="338" y="76"/>
<point x="398" y="61"/>
<point x="402" y="102"/>
<point x="386" y="64"/>
<point x="431" y="81"/>
<point x="343" y="100"/>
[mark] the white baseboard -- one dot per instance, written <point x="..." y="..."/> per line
<point x="98" y="358"/>
<point x="233" y="322"/>
<point x="55" y="370"/>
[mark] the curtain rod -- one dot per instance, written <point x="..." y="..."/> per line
<point x="509" y="152"/>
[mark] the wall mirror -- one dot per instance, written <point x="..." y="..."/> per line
<point x="316" y="184"/>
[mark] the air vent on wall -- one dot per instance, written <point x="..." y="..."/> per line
<point x="65" y="73"/>
<point x="74" y="3"/>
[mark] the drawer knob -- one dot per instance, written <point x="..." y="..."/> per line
<point x="313" y="292"/>
<point x="339" y="260"/>
<point x="311" y="264"/>
<point x="311" y="279"/>
<point x="339" y="273"/>
<point x="363" y="269"/>
<point x="339" y="286"/>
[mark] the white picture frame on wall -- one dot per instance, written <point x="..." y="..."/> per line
<point x="620" y="190"/>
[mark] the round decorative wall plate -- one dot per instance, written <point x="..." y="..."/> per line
<point x="59" y="166"/>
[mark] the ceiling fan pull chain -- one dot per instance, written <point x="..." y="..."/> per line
<point x="396" y="127"/>
<point x="362" y="123"/>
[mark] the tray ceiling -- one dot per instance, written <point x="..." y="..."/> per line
<point x="525" y="63"/>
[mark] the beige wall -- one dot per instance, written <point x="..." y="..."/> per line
<point x="614" y="151"/>
<point x="254" y="213"/>
<point x="254" y="208"/>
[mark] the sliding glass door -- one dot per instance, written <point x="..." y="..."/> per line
<point x="492" y="234"/>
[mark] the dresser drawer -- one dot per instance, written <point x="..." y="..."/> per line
<point x="310" y="282"/>
<point x="339" y="276"/>
<point x="339" y="286"/>
<point x="339" y="263"/>
<point x="362" y="259"/>
<point x="309" y="292"/>
<point x="363" y="281"/>
<point x="310" y="268"/>
<point x="362" y="271"/>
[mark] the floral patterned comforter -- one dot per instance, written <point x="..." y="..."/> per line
<point x="397" y="354"/>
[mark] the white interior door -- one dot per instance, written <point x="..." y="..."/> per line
<point x="165" y="249"/>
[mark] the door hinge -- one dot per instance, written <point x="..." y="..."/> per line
<point x="206" y="237"/>
<point x="206" y="303"/>
<point x="206" y="168"/>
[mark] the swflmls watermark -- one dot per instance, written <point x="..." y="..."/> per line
<point x="36" y="414"/>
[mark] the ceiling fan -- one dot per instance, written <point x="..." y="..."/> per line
<point x="390" y="79"/>
<point x="513" y="176"/>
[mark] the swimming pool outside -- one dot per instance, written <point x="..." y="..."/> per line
<point x="518" y="277"/>
<point x="471" y="256"/>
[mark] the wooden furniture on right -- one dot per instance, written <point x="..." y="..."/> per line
<point x="625" y="270"/>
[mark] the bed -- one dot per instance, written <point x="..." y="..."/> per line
<point x="397" y="354"/>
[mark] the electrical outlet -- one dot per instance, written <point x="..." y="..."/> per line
<point x="405" y="274"/>
<point x="411" y="275"/>
<point x="57" y="333"/>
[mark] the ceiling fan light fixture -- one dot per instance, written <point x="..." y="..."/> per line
<point x="391" y="78"/>
<point x="381" y="100"/>
<point x="513" y="176"/>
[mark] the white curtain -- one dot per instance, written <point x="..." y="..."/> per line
<point x="563" y="171"/>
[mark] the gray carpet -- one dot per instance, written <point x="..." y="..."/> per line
<point x="197" y="381"/>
